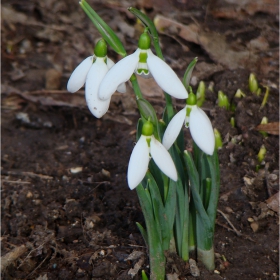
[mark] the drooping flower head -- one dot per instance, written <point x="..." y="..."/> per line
<point x="90" y="72"/>
<point x="142" y="62"/>
<point x="200" y="127"/>
<point x="146" y="147"/>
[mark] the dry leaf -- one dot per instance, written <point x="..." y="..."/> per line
<point x="242" y="8"/>
<point x="273" y="203"/>
<point x="271" y="128"/>
<point x="213" y="43"/>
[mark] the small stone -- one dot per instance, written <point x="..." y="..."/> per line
<point x="250" y="220"/>
<point x="228" y="210"/>
<point x="106" y="173"/>
<point x="217" y="271"/>
<point x="254" y="226"/>
<point x="29" y="194"/>
<point x="193" y="268"/>
<point x="76" y="170"/>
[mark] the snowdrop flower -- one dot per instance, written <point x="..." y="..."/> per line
<point x="91" y="72"/>
<point x="143" y="62"/>
<point x="199" y="123"/>
<point x="139" y="160"/>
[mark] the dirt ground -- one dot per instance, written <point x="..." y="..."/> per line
<point x="67" y="212"/>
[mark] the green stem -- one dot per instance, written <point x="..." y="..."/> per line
<point x="168" y="99"/>
<point x="136" y="87"/>
<point x="166" y="187"/>
<point x="207" y="257"/>
<point x="192" y="227"/>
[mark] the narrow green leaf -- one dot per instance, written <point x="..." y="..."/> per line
<point x="205" y="229"/>
<point x="215" y="187"/>
<point x="147" y="23"/>
<point x="157" y="258"/>
<point x="143" y="232"/>
<point x="106" y="32"/>
<point x="188" y="73"/>
<point x="147" y="110"/>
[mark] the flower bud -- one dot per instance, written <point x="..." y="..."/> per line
<point x="200" y="94"/>
<point x="223" y="100"/>
<point x="253" y="83"/>
<point x="239" y="93"/>
<point x="264" y="121"/>
<point x="218" y="139"/>
<point x="232" y="121"/>
<point x="261" y="154"/>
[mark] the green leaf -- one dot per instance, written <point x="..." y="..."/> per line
<point x="215" y="186"/>
<point x="188" y="73"/>
<point x="143" y="232"/>
<point x="147" y="23"/>
<point x="139" y="129"/>
<point x="205" y="228"/>
<point x="157" y="258"/>
<point x="147" y="110"/>
<point x="106" y="32"/>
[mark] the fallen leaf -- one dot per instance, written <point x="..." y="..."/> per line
<point x="273" y="203"/>
<point x="242" y="8"/>
<point x="271" y="128"/>
<point x="213" y="43"/>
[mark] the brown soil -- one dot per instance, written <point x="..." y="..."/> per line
<point x="67" y="212"/>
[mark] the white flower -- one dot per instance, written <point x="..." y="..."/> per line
<point x="139" y="160"/>
<point x="91" y="72"/>
<point x="200" y="128"/>
<point x="144" y="63"/>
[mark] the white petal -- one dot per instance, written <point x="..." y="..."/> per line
<point x="163" y="159"/>
<point x="110" y="62"/>
<point x="79" y="75"/>
<point x="166" y="77"/>
<point x="122" y="87"/>
<point x="201" y="130"/>
<point x="95" y="75"/>
<point x="138" y="163"/>
<point x="173" y="129"/>
<point x="118" y="74"/>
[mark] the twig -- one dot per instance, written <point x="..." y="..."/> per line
<point x="29" y="174"/>
<point x="238" y="233"/>
<point x="15" y="182"/>
<point x="38" y="266"/>
<point x="13" y="255"/>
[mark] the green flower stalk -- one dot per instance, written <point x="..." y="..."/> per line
<point x="223" y="100"/>
<point x="265" y="98"/>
